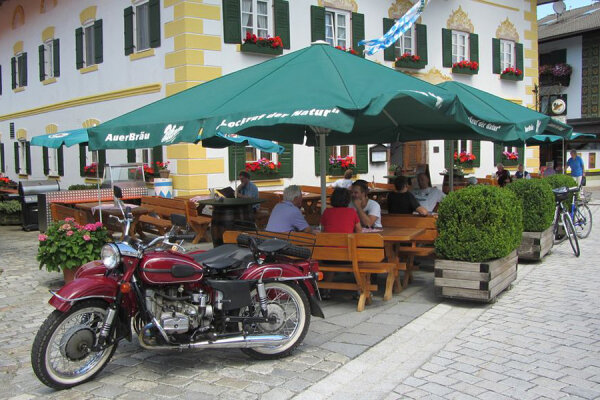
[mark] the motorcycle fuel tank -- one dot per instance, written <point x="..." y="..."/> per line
<point x="169" y="267"/>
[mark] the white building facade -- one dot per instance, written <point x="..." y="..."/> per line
<point x="70" y="64"/>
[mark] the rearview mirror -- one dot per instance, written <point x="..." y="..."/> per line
<point x="178" y="220"/>
<point x="118" y="192"/>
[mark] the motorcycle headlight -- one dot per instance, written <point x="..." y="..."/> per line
<point x="110" y="256"/>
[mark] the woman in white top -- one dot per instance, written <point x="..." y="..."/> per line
<point x="344" y="183"/>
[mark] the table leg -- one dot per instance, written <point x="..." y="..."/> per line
<point x="392" y="257"/>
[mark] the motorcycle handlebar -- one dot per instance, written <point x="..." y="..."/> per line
<point x="190" y="236"/>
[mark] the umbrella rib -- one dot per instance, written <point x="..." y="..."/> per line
<point x="342" y="80"/>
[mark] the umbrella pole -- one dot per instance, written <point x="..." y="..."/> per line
<point x="99" y="194"/>
<point x="563" y="155"/>
<point x="323" y="166"/>
<point x="451" y="172"/>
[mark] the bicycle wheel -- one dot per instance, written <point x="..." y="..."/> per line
<point x="570" y="231"/>
<point x="582" y="221"/>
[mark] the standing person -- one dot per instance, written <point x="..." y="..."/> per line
<point x="402" y="201"/>
<point x="427" y="196"/>
<point x="577" y="167"/>
<point x="286" y="216"/>
<point x="369" y="211"/>
<point x="521" y="173"/>
<point x="502" y="175"/>
<point x="340" y="218"/>
<point x="344" y="183"/>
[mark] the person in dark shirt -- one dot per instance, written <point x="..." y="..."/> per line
<point x="402" y="201"/>
<point x="502" y="175"/>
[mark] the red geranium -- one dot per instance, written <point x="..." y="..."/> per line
<point x="512" y="71"/>
<point x="273" y="42"/>
<point x="342" y="162"/>
<point x="510" y="155"/>
<point x="263" y="166"/>
<point x="473" y="65"/>
<point x="464" y="157"/>
<point x="409" y="57"/>
<point x="91" y="169"/>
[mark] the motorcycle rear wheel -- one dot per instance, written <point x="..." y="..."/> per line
<point x="60" y="357"/>
<point x="290" y="305"/>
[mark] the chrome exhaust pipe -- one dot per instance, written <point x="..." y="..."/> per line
<point x="235" y="342"/>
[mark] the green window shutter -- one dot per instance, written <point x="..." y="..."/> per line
<point x="2" y="164"/>
<point x="358" y="32"/>
<point x="23" y="76"/>
<point x="317" y="161"/>
<point x="82" y="160"/>
<point x="496" y="56"/>
<point x="45" y="160"/>
<point x="519" y="59"/>
<point x="17" y="166"/>
<point x="232" y="21"/>
<point x="388" y="53"/>
<point x="130" y="155"/>
<point x="56" y="57"/>
<point x="287" y="161"/>
<point x="237" y="160"/>
<point x="476" y="146"/>
<point x="128" y="29"/>
<point x="154" y="15"/>
<point x="13" y="71"/>
<point x="61" y="161"/>
<point x="446" y="47"/>
<point x="98" y="42"/>
<point x="448" y="156"/>
<point x="421" y="31"/>
<point x="317" y="23"/>
<point x="282" y="21"/>
<point x="157" y="154"/>
<point x="28" y="157"/>
<point x="101" y="162"/>
<point x="79" y="48"/>
<point x="41" y="62"/>
<point x="362" y="158"/>
<point x="498" y="149"/>
<point x="474" y="47"/>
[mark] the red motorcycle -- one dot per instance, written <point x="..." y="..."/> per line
<point x="257" y="296"/>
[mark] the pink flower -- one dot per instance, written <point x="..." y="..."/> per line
<point x="42" y="238"/>
<point x="90" y="227"/>
<point x="98" y="224"/>
<point x="65" y="227"/>
<point x="70" y="233"/>
<point x="69" y="219"/>
<point x="86" y="237"/>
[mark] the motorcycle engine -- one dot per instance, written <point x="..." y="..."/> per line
<point x="178" y="313"/>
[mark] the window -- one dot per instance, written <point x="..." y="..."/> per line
<point x="254" y="154"/>
<point x="48" y="59"/>
<point x="507" y="54"/>
<point x="53" y="163"/>
<point x="142" y="27"/>
<point x="19" y="70"/>
<point x="460" y="46"/>
<point x="592" y="160"/>
<point x="463" y="145"/>
<point x="406" y="43"/>
<point x="88" y="44"/>
<point x="341" y="151"/>
<point x="256" y="17"/>
<point x="89" y="49"/>
<point x="21" y="157"/>
<point x="337" y="28"/>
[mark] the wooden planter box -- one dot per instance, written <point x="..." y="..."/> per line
<point x="10" y="219"/>
<point x="410" y="64"/>
<point x="465" y="71"/>
<point x="266" y="50"/>
<point x="475" y="281"/>
<point x="535" y="245"/>
<point x="511" y="77"/>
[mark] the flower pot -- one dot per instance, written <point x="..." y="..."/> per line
<point x="339" y="171"/>
<point x="510" y="163"/>
<point x="511" y="77"/>
<point x="254" y="48"/>
<point x="406" y="63"/>
<point x="475" y="281"/>
<point x="261" y="176"/>
<point x="164" y="173"/>
<point x="535" y="245"/>
<point x="464" y="70"/>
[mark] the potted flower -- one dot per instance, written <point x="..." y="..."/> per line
<point x="150" y="172"/>
<point x="339" y="165"/>
<point x="260" y="45"/>
<point x="510" y="158"/>
<point x="6" y="182"/>
<point x="348" y="50"/>
<point x="479" y="230"/>
<point x="163" y="168"/>
<point x="562" y="73"/>
<point x="91" y="170"/>
<point x="10" y="212"/>
<point x="463" y="160"/>
<point x="512" y="74"/>
<point x="67" y="245"/>
<point x="408" y="60"/>
<point x="538" y="214"/>
<point x="264" y="167"/>
<point x="465" y="67"/>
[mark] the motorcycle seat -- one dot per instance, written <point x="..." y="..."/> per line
<point x="223" y="257"/>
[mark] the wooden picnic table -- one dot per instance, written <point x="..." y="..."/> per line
<point x="392" y="237"/>
<point x="226" y="212"/>
<point x="92" y="209"/>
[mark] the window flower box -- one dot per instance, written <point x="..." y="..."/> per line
<point x="268" y="46"/>
<point x="510" y="159"/>
<point x="512" y="74"/>
<point x="558" y="74"/>
<point x="409" y="61"/>
<point x="465" y="67"/>
<point x="349" y="50"/>
<point x="263" y="169"/>
<point x="463" y="160"/>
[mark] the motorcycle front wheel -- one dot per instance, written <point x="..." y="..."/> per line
<point x="61" y="355"/>
<point x="290" y="313"/>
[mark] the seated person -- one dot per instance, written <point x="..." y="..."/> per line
<point x="344" y="183"/>
<point x="521" y="173"/>
<point x="369" y="211"/>
<point x="427" y="196"/>
<point x="247" y="189"/>
<point x="402" y="201"/>
<point x="286" y="216"/>
<point x="502" y="175"/>
<point x="340" y="218"/>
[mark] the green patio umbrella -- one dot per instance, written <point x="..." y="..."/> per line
<point x="55" y="140"/>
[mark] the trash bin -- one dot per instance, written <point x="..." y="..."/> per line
<point x="28" y="196"/>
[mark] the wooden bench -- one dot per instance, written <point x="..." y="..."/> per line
<point x="363" y="252"/>
<point x="158" y="221"/>
<point x="422" y="246"/>
<point x="199" y="223"/>
<point x="59" y="212"/>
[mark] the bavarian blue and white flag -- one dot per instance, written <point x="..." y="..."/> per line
<point x="402" y="25"/>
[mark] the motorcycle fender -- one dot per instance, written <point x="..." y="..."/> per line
<point x="90" y="269"/>
<point x="286" y="271"/>
<point x="89" y="287"/>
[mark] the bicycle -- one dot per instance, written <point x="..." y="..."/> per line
<point x="581" y="215"/>
<point x="563" y="219"/>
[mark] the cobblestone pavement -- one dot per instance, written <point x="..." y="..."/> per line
<point x="540" y="340"/>
<point x="135" y="373"/>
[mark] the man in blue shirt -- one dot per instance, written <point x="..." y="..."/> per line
<point x="286" y="216"/>
<point x="247" y="189"/>
<point x="576" y="165"/>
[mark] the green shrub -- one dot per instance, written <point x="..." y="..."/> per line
<point x="82" y="187"/>
<point x="10" y="207"/>
<point x="560" y="180"/>
<point x="479" y="223"/>
<point x="537" y="200"/>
